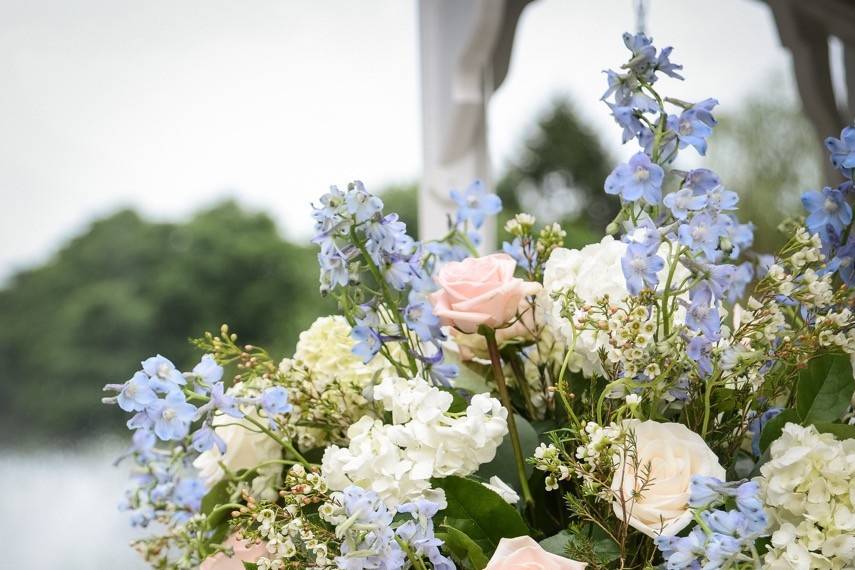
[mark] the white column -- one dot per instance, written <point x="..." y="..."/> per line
<point x="465" y="46"/>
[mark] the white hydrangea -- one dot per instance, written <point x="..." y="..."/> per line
<point x="809" y="491"/>
<point x="398" y="460"/>
<point x="326" y="348"/>
<point x="592" y="272"/>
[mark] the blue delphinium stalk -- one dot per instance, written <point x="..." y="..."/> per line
<point x="640" y="267"/>
<point x="640" y="178"/>
<point x="382" y="277"/>
<point x="163" y="400"/>
<point x="722" y="539"/>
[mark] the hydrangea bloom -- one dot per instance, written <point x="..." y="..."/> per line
<point x="807" y="489"/>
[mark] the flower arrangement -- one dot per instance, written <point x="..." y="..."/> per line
<point x="664" y="397"/>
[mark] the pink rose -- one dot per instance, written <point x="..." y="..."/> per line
<point x="475" y="346"/>
<point x="244" y="552"/>
<point x="523" y="553"/>
<point x="480" y="291"/>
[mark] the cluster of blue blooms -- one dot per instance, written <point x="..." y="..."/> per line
<point x="369" y="540"/>
<point x="357" y="240"/>
<point x="695" y="219"/>
<point x="160" y="398"/>
<point x="722" y="539"/>
<point x="829" y="210"/>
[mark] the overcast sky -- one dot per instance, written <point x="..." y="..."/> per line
<point x="169" y="105"/>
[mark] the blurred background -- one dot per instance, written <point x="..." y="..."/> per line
<point x="158" y="160"/>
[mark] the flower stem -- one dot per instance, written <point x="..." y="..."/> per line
<point x="283" y="442"/>
<point x="505" y="396"/>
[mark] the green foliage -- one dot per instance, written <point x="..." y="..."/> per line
<point x="823" y="394"/>
<point x="504" y="465"/>
<point x="463" y="550"/>
<point x="128" y="288"/>
<point x="479" y="513"/>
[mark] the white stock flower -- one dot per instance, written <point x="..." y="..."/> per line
<point x="397" y="461"/>
<point x="592" y="272"/>
<point x="246" y="448"/>
<point x="674" y="454"/>
<point x="808" y="486"/>
<point x="326" y="347"/>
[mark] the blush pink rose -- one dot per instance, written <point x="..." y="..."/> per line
<point x="523" y="553"/>
<point x="244" y="552"/>
<point x="475" y="346"/>
<point x="480" y="291"/>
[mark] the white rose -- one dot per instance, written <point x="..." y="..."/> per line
<point x="592" y="272"/>
<point x="245" y="449"/>
<point x="675" y="455"/>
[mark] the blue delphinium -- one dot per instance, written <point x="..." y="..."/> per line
<point x="418" y="533"/>
<point x="640" y="178"/>
<point x="475" y="204"/>
<point x="640" y="267"/>
<point x="683" y="201"/>
<point x="367" y="539"/>
<point x="136" y="394"/>
<point x="171" y="416"/>
<point x="842" y="151"/>
<point x="274" y="401"/>
<point x="826" y="209"/>
<point x="695" y="124"/>
<point x="724" y="538"/>
<point x="702" y="314"/>
<point x="702" y="233"/>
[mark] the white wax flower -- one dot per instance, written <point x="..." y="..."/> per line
<point x="592" y="272"/>
<point x="502" y="489"/>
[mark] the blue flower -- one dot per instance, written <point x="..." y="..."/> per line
<point x="699" y="350"/>
<point x="136" y="394"/>
<point x="622" y="86"/>
<point x="742" y="276"/>
<point x="702" y="234"/>
<point x="224" y="402"/>
<point x="826" y="208"/>
<point x="164" y="376"/>
<point x="418" y="315"/>
<point x="844" y="262"/>
<point x="475" y="204"/>
<point x="640" y="268"/>
<point x="643" y="59"/>
<point x="701" y="180"/>
<point x="418" y="533"/>
<point x="682" y="201"/>
<point x="334" y="268"/>
<point x="208" y="370"/>
<point x="843" y="151"/>
<point x="750" y="504"/>
<point x="189" y="493"/>
<point x="368" y="342"/>
<point x="172" y="416"/>
<point x="515" y="250"/>
<point x="756" y="427"/>
<point x="205" y="438"/>
<point x="695" y="124"/>
<point x="443" y="374"/>
<point x="704" y="491"/>
<point x="663" y="63"/>
<point x="702" y="315"/>
<point x="368" y="541"/>
<point x="639" y="178"/>
<point x="275" y="401"/>
<point x="362" y="205"/>
<point x="720" y="199"/>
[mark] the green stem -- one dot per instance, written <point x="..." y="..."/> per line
<point x="283" y="442"/>
<point x="708" y="403"/>
<point x="519" y="373"/>
<point x="505" y="396"/>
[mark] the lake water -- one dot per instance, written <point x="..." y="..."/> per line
<point x="58" y="510"/>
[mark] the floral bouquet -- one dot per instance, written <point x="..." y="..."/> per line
<point x="662" y="398"/>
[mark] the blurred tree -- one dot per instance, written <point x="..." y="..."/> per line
<point x="128" y="288"/>
<point x="559" y="176"/>
<point x="766" y="151"/>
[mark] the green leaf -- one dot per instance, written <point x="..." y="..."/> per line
<point x="772" y="429"/>
<point x="250" y="566"/>
<point x="463" y="549"/>
<point x="218" y="495"/>
<point x="557" y="543"/>
<point x="479" y="513"/>
<point x="825" y="389"/>
<point x="504" y="465"/>
<point x="840" y="431"/>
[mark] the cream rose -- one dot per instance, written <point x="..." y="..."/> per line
<point x="246" y="448"/>
<point x="523" y="553"/>
<point x="675" y="455"/>
<point x="243" y="552"/>
<point x="480" y="291"/>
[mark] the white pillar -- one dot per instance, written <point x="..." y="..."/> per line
<point x="465" y="49"/>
